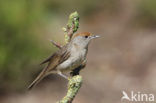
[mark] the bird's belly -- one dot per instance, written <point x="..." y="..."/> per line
<point x="75" y="60"/>
<point x="70" y="64"/>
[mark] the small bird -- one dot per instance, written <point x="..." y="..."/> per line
<point x="66" y="59"/>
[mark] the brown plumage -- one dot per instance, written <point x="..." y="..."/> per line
<point x="82" y="34"/>
<point x="54" y="60"/>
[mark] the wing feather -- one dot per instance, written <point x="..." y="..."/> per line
<point x="47" y="60"/>
<point x="54" y="60"/>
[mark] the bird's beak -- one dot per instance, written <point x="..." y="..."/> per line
<point x="95" y="36"/>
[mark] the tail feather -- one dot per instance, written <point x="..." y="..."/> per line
<point x="37" y="80"/>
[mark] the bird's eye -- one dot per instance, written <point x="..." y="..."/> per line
<point x="86" y="36"/>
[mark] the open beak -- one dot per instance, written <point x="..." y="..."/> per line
<point x="95" y="36"/>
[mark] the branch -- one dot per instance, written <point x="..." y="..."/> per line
<point x="74" y="85"/>
<point x="72" y="27"/>
<point x="56" y="44"/>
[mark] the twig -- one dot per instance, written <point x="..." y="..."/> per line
<point x="72" y="27"/>
<point x="56" y="44"/>
<point x="71" y="31"/>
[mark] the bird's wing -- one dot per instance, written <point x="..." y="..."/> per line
<point x="56" y="59"/>
<point x="62" y="53"/>
<point x="52" y="64"/>
<point x="46" y="60"/>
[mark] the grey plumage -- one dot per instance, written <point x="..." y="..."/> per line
<point x="66" y="59"/>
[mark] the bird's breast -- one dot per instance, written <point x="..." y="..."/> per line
<point x="75" y="60"/>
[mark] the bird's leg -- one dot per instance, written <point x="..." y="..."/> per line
<point x="62" y="75"/>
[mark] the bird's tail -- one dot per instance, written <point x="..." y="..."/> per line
<point x="38" y="79"/>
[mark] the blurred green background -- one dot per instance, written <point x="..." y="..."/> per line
<point x="26" y="26"/>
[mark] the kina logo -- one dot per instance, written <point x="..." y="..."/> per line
<point x="137" y="97"/>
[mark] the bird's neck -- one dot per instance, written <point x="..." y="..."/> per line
<point x="79" y="46"/>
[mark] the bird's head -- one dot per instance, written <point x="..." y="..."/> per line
<point x="83" y="39"/>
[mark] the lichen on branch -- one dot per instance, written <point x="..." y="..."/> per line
<point x="72" y="26"/>
<point x="74" y="85"/>
<point x="70" y="29"/>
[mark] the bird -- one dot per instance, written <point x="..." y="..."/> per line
<point x="68" y="58"/>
